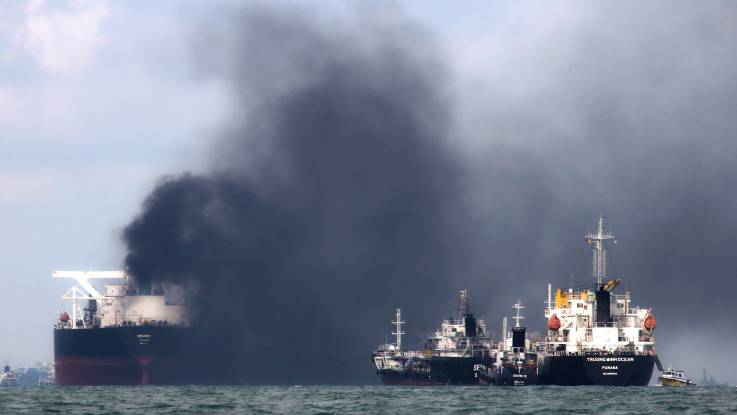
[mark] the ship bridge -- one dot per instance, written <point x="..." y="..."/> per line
<point x="121" y="305"/>
<point x="597" y="320"/>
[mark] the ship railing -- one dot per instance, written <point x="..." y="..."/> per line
<point x="408" y="354"/>
<point x="153" y="323"/>
<point x="618" y="352"/>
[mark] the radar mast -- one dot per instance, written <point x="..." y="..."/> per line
<point x="518" y="306"/>
<point x="398" y="322"/>
<point x="599" y="252"/>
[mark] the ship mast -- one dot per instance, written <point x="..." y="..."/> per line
<point x="463" y="302"/>
<point x="599" y="253"/>
<point x="398" y="322"/>
<point x="518" y="306"/>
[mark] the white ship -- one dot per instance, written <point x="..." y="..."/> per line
<point x="596" y="337"/>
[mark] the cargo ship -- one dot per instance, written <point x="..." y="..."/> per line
<point x="452" y="356"/>
<point x="594" y="336"/>
<point x="135" y="334"/>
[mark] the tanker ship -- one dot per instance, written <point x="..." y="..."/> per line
<point x="452" y="356"/>
<point x="136" y="335"/>
<point x="516" y="357"/>
<point x="596" y="337"/>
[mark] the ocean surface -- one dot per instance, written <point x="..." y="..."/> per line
<point x="366" y="400"/>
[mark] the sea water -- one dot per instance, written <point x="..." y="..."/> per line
<point x="366" y="400"/>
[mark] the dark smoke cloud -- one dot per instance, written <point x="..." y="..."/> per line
<point x="332" y="198"/>
<point x="335" y="196"/>
<point x="626" y="109"/>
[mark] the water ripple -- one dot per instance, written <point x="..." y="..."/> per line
<point x="366" y="400"/>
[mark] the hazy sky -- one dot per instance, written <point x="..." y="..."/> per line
<point x="562" y="111"/>
<point x="98" y="99"/>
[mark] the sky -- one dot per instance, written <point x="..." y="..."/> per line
<point x="560" y="111"/>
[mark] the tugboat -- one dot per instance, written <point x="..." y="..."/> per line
<point x="450" y="357"/>
<point x="596" y="337"/>
<point x="674" y="377"/>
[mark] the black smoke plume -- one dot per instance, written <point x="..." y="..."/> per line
<point x="332" y="198"/>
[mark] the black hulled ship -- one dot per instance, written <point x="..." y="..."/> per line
<point x="135" y="335"/>
<point x="596" y="337"/>
<point x="516" y="357"/>
<point x="452" y="356"/>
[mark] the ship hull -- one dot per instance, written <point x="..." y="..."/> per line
<point x="609" y="370"/>
<point x="140" y="355"/>
<point x="437" y="371"/>
<point x="515" y="376"/>
<point x="674" y="382"/>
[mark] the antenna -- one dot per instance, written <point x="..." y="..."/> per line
<point x="550" y="296"/>
<point x="463" y="302"/>
<point x="599" y="253"/>
<point x="504" y="328"/>
<point x="398" y="322"/>
<point x="518" y="306"/>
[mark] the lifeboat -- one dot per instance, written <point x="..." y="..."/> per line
<point x="554" y="323"/>
<point x="649" y="323"/>
<point x="64" y="317"/>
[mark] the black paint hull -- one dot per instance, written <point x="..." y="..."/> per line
<point x="523" y="375"/>
<point x="609" y="370"/>
<point x="139" y="355"/>
<point x="437" y="371"/>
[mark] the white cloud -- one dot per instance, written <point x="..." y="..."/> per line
<point x="64" y="41"/>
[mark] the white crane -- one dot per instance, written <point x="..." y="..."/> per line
<point x="90" y="292"/>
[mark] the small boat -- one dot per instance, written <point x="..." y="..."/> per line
<point x="674" y="377"/>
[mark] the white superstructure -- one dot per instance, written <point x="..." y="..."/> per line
<point x="592" y="321"/>
<point x="462" y="336"/>
<point x="508" y="351"/>
<point x="121" y="304"/>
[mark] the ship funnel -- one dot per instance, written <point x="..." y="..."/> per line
<point x="603" y="305"/>
<point x="469" y="321"/>
<point x="518" y="337"/>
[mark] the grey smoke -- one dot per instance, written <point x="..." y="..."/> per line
<point x="343" y="188"/>
<point x="626" y="109"/>
<point x="333" y="196"/>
